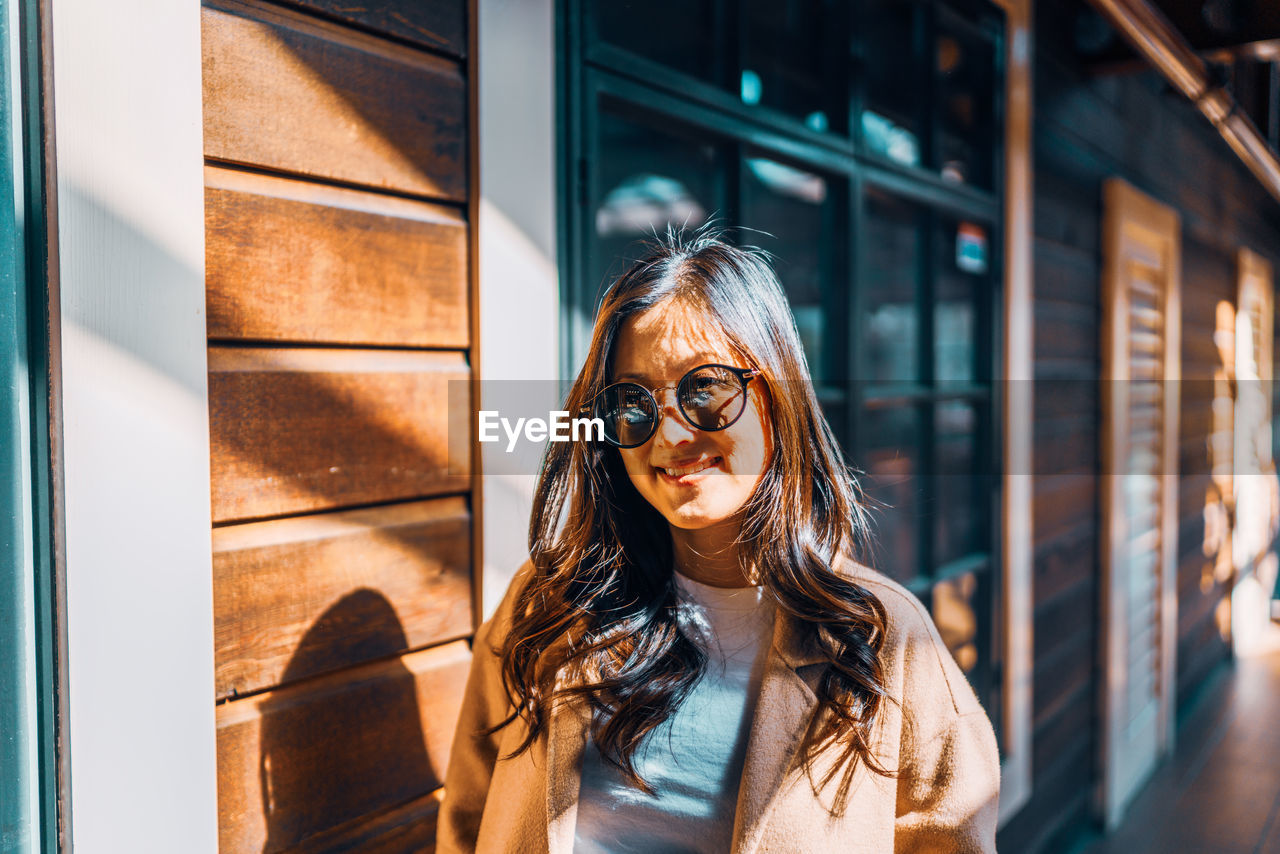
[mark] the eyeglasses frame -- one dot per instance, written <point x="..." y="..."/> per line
<point x="744" y="375"/>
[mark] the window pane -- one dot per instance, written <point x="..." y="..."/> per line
<point x="955" y="609"/>
<point x="965" y="65"/>
<point x="677" y="33"/>
<point x="647" y="179"/>
<point x="796" y="208"/>
<point x="891" y="274"/>
<point x="890" y="456"/>
<point x="963" y="252"/>
<point x="892" y="123"/>
<point x="958" y="501"/>
<point x="795" y="59"/>
<point x="964" y="610"/>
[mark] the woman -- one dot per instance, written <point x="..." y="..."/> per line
<point x="692" y="660"/>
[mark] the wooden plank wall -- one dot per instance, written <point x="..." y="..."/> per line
<point x="1089" y="128"/>
<point x="339" y="296"/>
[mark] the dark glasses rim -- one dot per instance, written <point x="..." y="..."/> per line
<point x="744" y="375"/>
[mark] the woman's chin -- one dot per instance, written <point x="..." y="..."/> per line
<point x="695" y="515"/>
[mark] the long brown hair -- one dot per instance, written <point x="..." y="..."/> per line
<point x="601" y="601"/>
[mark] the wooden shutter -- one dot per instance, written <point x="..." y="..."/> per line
<point x="1140" y="364"/>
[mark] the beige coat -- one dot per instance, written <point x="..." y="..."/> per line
<point x="945" y="800"/>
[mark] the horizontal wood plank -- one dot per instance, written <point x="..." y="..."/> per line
<point x="296" y="597"/>
<point x="407" y="828"/>
<point x="288" y="260"/>
<point x="287" y="92"/>
<point x="1065" y="562"/>
<point x="298" y="430"/>
<point x="323" y="753"/>
<point x="440" y="24"/>
<point x="1062" y="502"/>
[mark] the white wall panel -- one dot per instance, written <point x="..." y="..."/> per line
<point x="135" y="413"/>
<point x="519" y="283"/>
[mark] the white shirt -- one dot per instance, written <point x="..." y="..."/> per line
<point x="694" y="759"/>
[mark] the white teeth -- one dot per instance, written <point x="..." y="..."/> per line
<point x="692" y="468"/>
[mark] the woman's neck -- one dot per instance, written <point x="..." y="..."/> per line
<point x="710" y="555"/>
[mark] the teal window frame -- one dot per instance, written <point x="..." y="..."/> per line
<point x="29" y="692"/>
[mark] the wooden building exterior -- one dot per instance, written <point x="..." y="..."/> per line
<point x="1091" y="128"/>
<point x="1035" y="285"/>
<point x="338" y="267"/>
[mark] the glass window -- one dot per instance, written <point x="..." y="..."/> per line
<point x="890" y="455"/>
<point x="930" y="83"/>
<point x="963" y="273"/>
<point x="959" y="608"/>
<point x="679" y="34"/>
<point x="923" y="428"/>
<point x="965" y="69"/>
<point x="894" y="249"/>
<point x="893" y="120"/>
<point x="649" y="176"/>
<point x="795" y="59"/>
<point x="790" y="211"/>
<point x="957" y="506"/>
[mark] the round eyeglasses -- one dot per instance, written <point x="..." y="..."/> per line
<point x="709" y="397"/>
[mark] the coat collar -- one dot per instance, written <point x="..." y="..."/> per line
<point x="783" y="709"/>
<point x="793" y="642"/>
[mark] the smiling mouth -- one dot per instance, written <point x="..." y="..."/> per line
<point x="679" y="472"/>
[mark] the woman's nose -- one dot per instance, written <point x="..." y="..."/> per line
<point x="672" y="428"/>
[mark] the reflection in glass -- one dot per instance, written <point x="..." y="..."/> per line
<point x="955" y="614"/>
<point x="882" y="136"/>
<point x="892" y="121"/>
<point x="890" y="438"/>
<point x="957" y="497"/>
<point x="964" y="65"/>
<point x="647" y="178"/>
<point x="634" y="205"/>
<point x="891" y="274"/>
<point x="793" y="209"/>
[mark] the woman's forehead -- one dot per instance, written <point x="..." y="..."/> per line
<point x="668" y="339"/>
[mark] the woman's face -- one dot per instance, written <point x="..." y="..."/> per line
<point x="693" y="477"/>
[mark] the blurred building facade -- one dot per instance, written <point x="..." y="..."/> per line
<point x="1034" y="280"/>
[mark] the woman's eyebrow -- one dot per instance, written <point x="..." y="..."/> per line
<point x="644" y="379"/>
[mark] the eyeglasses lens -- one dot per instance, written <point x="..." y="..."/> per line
<point x="628" y="414"/>
<point x="712" y="398"/>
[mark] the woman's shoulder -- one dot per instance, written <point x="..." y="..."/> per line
<point x="913" y="644"/>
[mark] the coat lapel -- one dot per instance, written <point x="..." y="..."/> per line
<point x="782" y="714"/>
